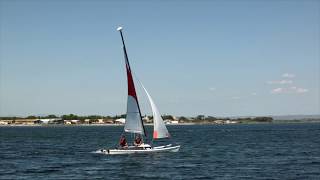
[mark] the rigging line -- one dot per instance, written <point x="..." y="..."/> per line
<point x="139" y="82"/>
<point x="141" y="85"/>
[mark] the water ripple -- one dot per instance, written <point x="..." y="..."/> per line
<point x="282" y="151"/>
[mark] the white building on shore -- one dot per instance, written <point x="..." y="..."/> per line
<point x="120" y="121"/>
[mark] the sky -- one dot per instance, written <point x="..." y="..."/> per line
<point x="217" y="58"/>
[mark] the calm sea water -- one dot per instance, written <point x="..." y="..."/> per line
<point x="265" y="151"/>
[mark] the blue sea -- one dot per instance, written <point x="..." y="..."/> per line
<point x="254" y="151"/>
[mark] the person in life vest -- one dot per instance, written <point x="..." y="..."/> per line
<point x="123" y="142"/>
<point x="137" y="141"/>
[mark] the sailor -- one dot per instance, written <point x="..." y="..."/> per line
<point x="137" y="141"/>
<point x="123" y="142"/>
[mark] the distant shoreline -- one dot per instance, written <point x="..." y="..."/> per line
<point x="180" y="124"/>
<point x="119" y="120"/>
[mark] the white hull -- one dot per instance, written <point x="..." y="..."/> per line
<point x="167" y="148"/>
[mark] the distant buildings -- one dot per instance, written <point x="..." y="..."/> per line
<point x="146" y="119"/>
<point x="49" y="121"/>
<point x="120" y="121"/>
<point x="4" y="123"/>
<point x="31" y="121"/>
<point x="169" y="121"/>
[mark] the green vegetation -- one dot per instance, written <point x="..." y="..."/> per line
<point x="9" y="118"/>
<point x="70" y="117"/>
<point x="199" y="119"/>
<point x="170" y="117"/>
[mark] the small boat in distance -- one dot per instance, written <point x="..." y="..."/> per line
<point x="134" y="123"/>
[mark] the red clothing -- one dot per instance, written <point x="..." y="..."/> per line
<point x="123" y="142"/>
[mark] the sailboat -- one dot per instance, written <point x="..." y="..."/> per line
<point x="134" y="123"/>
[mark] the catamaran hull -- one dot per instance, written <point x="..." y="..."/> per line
<point x="149" y="150"/>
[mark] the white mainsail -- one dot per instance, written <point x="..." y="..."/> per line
<point x="134" y="123"/>
<point x="159" y="129"/>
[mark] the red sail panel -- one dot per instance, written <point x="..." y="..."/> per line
<point x="131" y="88"/>
<point x="155" y="134"/>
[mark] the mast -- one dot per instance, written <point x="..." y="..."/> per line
<point x="134" y="122"/>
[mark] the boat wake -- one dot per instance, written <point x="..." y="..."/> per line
<point x="99" y="151"/>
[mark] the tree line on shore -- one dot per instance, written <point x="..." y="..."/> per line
<point x="181" y="119"/>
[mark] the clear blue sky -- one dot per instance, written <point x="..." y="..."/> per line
<point x="220" y="58"/>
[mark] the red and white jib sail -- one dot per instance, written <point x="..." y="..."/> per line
<point x="159" y="128"/>
<point x="134" y="123"/>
